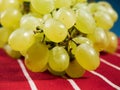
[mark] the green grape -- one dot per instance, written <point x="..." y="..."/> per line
<point x="4" y="34"/>
<point x="94" y="7"/>
<point x="5" y="4"/>
<point x="73" y="2"/>
<point x="87" y="57"/>
<point x="113" y="14"/>
<point x="75" y="70"/>
<point x="34" y="12"/>
<point x="47" y="16"/>
<point x="55" y="30"/>
<point x="81" y="1"/>
<point x="99" y="38"/>
<point x="10" y="18"/>
<point x="113" y="42"/>
<point x="1" y="5"/>
<point x="30" y="22"/>
<point x="109" y="10"/>
<point x="79" y="40"/>
<point x="56" y="72"/>
<point x="37" y="57"/>
<point x="85" y="22"/>
<point x="62" y="3"/>
<point x="104" y="3"/>
<point x="103" y="20"/>
<point x="21" y="40"/>
<point x="12" y="53"/>
<point x="66" y="16"/>
<point x="80" y="6"/>
<point x="59" y="59"/>
<point x="43" y="6"/>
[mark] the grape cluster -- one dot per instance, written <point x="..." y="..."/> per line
<point x="64" y="37"/>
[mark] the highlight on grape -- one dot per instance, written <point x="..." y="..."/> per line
<point x="64" y="37"/>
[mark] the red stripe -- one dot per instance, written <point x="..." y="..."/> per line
<point x="45" y="80"/>
<point x="11" y="76"/>
<point x="92" y="82"/>
<point x="111" y="58"/>
<point x="110" y="73"/>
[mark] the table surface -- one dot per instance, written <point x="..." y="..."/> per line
<point x="14" y="76"/>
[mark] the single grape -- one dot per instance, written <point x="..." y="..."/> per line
<point x="99" y="38"/>
<point x="21" y="40"/>
<point x="74" y="70"/>
<point x="66" y="16"/>
<point x="104" y="7"/>
<point x="85" y="22"/>
<point x="109" y="10"/>
<point x="4" y="35"/>
<point x="82" y="6"/>
<point x="55" y="30"/>
<point x="105" y="4"/>
<point x="59" y="59"/>
<point x="113" y="42"/>
<point x="5" y="4"/>
<point x="62" y="3"/>
<point x="43" y="6"/>
<point x="37" y="57"/>
<point x="103" y="20"/>
<point x="34" y="12"/>
<point x="10" y="18"/>
<point x="30" y="22"/>
<point x="87" y="57"/>
<point x="94" y="7"/>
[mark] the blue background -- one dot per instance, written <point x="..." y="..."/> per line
<point x="116" y="5"/>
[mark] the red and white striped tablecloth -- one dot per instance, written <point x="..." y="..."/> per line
<point x="14" y="76"/>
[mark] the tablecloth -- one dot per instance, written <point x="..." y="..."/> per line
<point x="15" y="76"/>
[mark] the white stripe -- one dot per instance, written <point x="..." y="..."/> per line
<point x="30" y="81"/>
<point x="74" y="85"/>
<point x="117" y="54"/>
<point x="110" y="64"/>
<point x="106" y="80"/>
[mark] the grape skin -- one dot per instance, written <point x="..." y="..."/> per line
<point x="85" y="22"/>
<point x="74" y="70"/>
<point x="87" y="57"/>
<point x="37" y="56"/>
<point x="10" y="18"/>
<point x="113" y="42"/>
<point x="59" y="59"/>
<point x="55" y="30"/>
<point x="66" y="16"/>
<point x="43" y="6"/>
<point x="21" y="40"/>
<point x="4" y="35"/>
